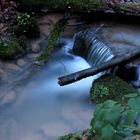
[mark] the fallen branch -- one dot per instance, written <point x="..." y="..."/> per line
<point x="99" y="68"/>
<point x="124" y="7"/>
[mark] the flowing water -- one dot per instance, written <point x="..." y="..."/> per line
<point x="39" y="109"/>
<point x="96" y="51"/>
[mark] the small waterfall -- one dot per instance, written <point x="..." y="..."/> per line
<point x="91" y="48"/>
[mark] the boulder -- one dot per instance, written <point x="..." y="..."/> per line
<point x="110" y="87"/>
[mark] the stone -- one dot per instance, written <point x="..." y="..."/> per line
<point x="35" y="48"/>
<point x="13" y="67"/>
<point x="8" y="98"/>
<point x="37" y="63"/>
<point x="33" y="56"/>
<point x="21" y="62"/>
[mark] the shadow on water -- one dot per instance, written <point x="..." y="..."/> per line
<point x="41" y="109"/>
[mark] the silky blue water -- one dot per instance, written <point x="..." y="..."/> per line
<point x="39" y="109"/>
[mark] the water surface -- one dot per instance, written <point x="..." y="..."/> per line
<point x="39" y="109"/>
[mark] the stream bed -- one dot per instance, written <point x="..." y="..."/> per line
<point x="39" y="109"/>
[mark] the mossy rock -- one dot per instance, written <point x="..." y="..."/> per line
<point x="110" y="87"/>
<point x="13" y="47"/>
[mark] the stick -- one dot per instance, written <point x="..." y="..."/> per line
<point x="99" y="68"/>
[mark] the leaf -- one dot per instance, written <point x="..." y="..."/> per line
<point x="107" y="132"/>
<point x="96" y="125"/>
<point x="131" y="116"/>
<point x="113" y="116"/>
<point x="109" y="104"/>
<point x="133" y="95"/>
<point x="134" y="103"/>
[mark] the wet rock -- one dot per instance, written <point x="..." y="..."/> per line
<point x="33" y="56"/>
<point x="35" y="48"/>
<point x="5" y="77"/>
<point x="37" y="63"/>
<point x="8" y="98"/>
<point x="21" y="62"/>
<point x="13" y="67"/>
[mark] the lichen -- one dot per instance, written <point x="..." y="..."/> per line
<point x="110" y="87"/>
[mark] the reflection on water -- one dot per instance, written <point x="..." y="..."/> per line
<point x="39" y="109"/>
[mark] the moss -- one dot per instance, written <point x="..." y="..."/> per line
<point x="129" y="7"/>
<point x="25" y="25"/>
<point x="10" y="50"/>
<point x="63" y="4"/>
<point x="85" y="134"/>
<point x="52" y="39"/>
<point x="110" y="87"/>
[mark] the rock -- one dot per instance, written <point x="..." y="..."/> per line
<point x="33" y="56"/>
<point x="35" y="48"/>
<point x="8" y="98"/>
<point x="13" y="67"/>
<point x="1" y="71"/>
<point x="37" y="63"/>
<point x="110" y="87"/>
<point x="21" y="62"/>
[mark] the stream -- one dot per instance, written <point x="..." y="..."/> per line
<point x="37" y="108"/>
<point x="42" y="110"/>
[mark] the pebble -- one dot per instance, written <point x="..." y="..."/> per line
<point x="35" y="48"/>
<point x="13" y="67"/>
<point x="8" y="98"/>
<point x="21" y="62"/>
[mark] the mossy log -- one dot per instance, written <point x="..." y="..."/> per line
<point x="127" y="57"/>
<point x="109" y="6"/>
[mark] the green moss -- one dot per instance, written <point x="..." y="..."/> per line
<point x="129" y="7"/>
<point x="25" y="25"/>
<point x="52" y="39"/>
<point x="85" y="134"/>
<point x="110" y="87"/>
<point x="9" y="50"/>
<point x="63" y="4"/>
